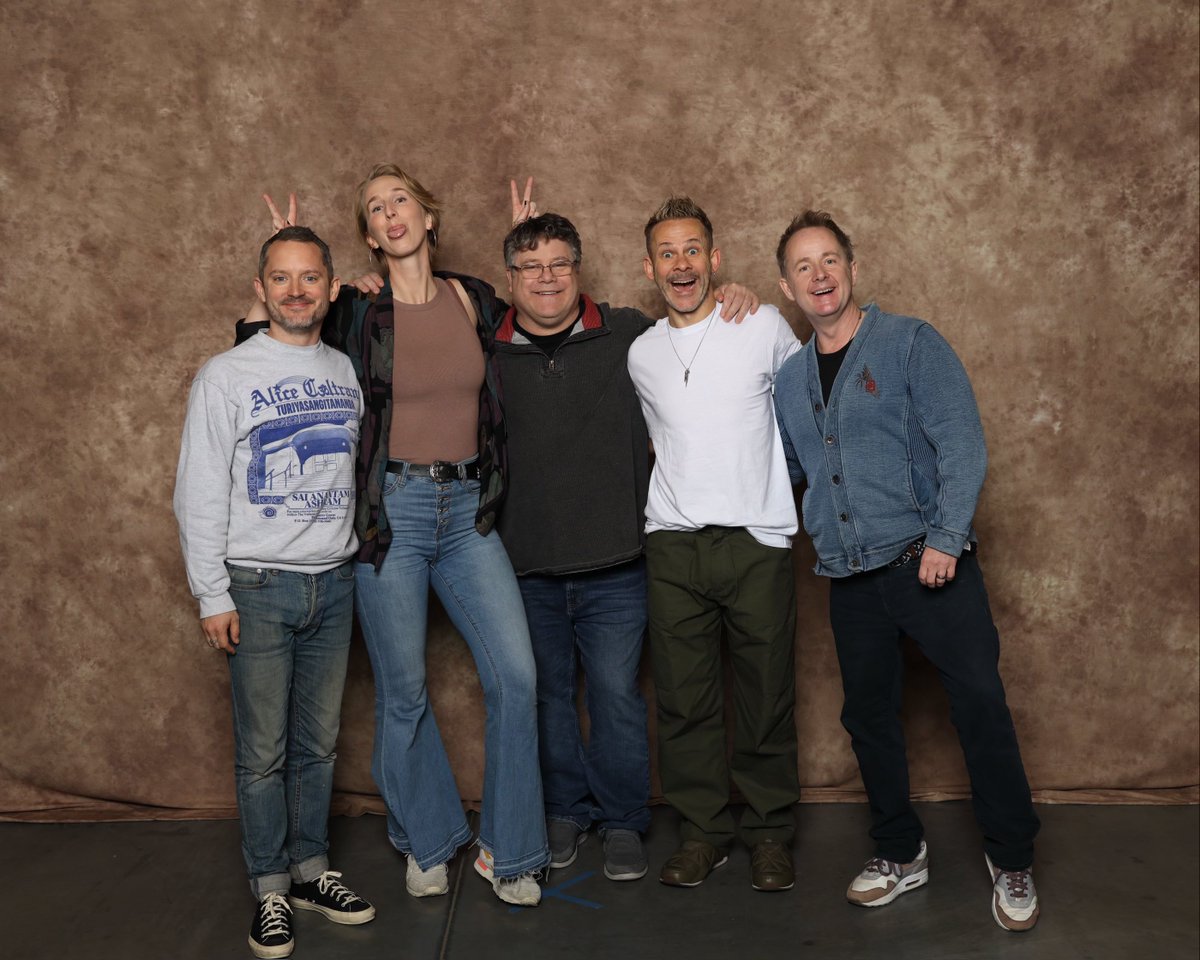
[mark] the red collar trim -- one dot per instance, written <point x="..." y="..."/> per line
<point x="591" y="320"/>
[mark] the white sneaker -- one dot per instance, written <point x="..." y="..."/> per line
<point x="433" y="882"/>
<point x="1014" y="898"/>
<point x="522" y="891"/>
<point x="882" y="881"/>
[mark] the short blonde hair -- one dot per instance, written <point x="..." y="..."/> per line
<point x="426" y="199"/>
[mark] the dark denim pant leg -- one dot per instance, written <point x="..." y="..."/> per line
<point x="609" y="610"/>
<point x="953" y="627"/>
<point x="560" y="741"/>
<point x="868" y="649"/>
<point x="597" y="620"/>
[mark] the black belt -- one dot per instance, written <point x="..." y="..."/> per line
<point x="911" y="552"/>
<point x="440" y="471"/>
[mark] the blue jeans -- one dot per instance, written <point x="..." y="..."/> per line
<point x="599" y="619"/>
<point x="286" y="679"/>
<point x="435" y="544"/>
<point x="953" y="627"/>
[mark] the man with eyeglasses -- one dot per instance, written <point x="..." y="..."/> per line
<point x="578" y="462"/>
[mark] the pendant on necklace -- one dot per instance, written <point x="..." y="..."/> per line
<point x="686" y="373"/>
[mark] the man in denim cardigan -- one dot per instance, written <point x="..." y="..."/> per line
<point x="878" y="417"/>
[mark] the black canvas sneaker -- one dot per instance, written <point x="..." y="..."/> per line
<point x="329" y="896"/>
<point x="271" y="931"/>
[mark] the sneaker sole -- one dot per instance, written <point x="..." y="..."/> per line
<point x="270" y="953"/>
<point x="337" y="916"/>
<point x="427" y="891"/>
<point x="695" y="883"/>
<point x="755" y="886"/>
<point x="911" y="882"/>
<point x="626" y="874"/>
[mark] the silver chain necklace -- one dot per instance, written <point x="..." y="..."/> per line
<point x="687" y="367"/>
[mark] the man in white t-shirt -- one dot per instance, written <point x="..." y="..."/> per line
<point x="719" y="521"/>
<point x="264" y="496"/>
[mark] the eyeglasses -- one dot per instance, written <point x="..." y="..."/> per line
<point x="532" y="271"/>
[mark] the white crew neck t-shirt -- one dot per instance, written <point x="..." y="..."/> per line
<point x="718" y="457"/>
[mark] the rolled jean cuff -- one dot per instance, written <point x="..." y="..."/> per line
<point x="309" y="869"/>
<point x="270" y="883"/>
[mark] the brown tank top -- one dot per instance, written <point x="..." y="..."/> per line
<point x="437" y="372"/>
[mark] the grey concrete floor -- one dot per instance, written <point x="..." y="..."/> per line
<point x="1116" y="883"/>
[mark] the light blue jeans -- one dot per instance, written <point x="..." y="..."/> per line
<point x="287" y="679"/>
<point x="435" y="544"/>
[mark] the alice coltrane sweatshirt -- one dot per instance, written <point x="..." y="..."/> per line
<point x="266" y="468"/>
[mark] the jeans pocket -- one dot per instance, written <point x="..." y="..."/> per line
<point x="345" y="572"/>
<point x="244" y="578"/>
<point x="392" y="482"/>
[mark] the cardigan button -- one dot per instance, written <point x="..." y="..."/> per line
<point x="818" y="408"/>
<point x="836" y="478"/>
<point x="843" y="517"/>
<point x="829" y="440"/>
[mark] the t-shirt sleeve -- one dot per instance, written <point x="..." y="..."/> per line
<point x="783" y="343"/>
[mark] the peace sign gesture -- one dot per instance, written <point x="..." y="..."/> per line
<point x="279" y="221"/>
<point x="522" y="208"/>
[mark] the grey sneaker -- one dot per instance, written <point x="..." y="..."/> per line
<point x="565" y="838"/>
<point x="624" y="858"/>
<point x="1014" y="898"/>
<point x="882" y="881"/>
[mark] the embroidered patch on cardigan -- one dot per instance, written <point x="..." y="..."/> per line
<point x="867" y="382"/>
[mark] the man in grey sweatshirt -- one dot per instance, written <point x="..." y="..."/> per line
<point x="264" y="496"/>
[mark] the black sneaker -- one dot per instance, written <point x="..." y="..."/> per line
<point x="271" y="931"/>
<point x="329" y="896"/>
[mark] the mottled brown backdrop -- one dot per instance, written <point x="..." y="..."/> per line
<point x="1021" y="173"/>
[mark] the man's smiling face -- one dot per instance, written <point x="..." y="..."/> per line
<point x="545" y="303"/>
<point x="681" y="265"/>
<point x="817" y="276"/>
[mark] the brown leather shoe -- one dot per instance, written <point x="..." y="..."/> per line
<point x="691" y="863"/>
<point x="771" y="866"/>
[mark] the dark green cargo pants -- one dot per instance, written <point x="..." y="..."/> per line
<point x="701" y="583"/>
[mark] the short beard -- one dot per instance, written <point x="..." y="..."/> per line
<point x="293" y="326"/>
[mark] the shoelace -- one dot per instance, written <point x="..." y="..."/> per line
<point x="1016" y="882"/>
<point x="274" y="909"/>
<point x="882" y="867"/>
<point x="328" y="884"/>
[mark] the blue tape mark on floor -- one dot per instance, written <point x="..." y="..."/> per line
<point x="556" y="892"/>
